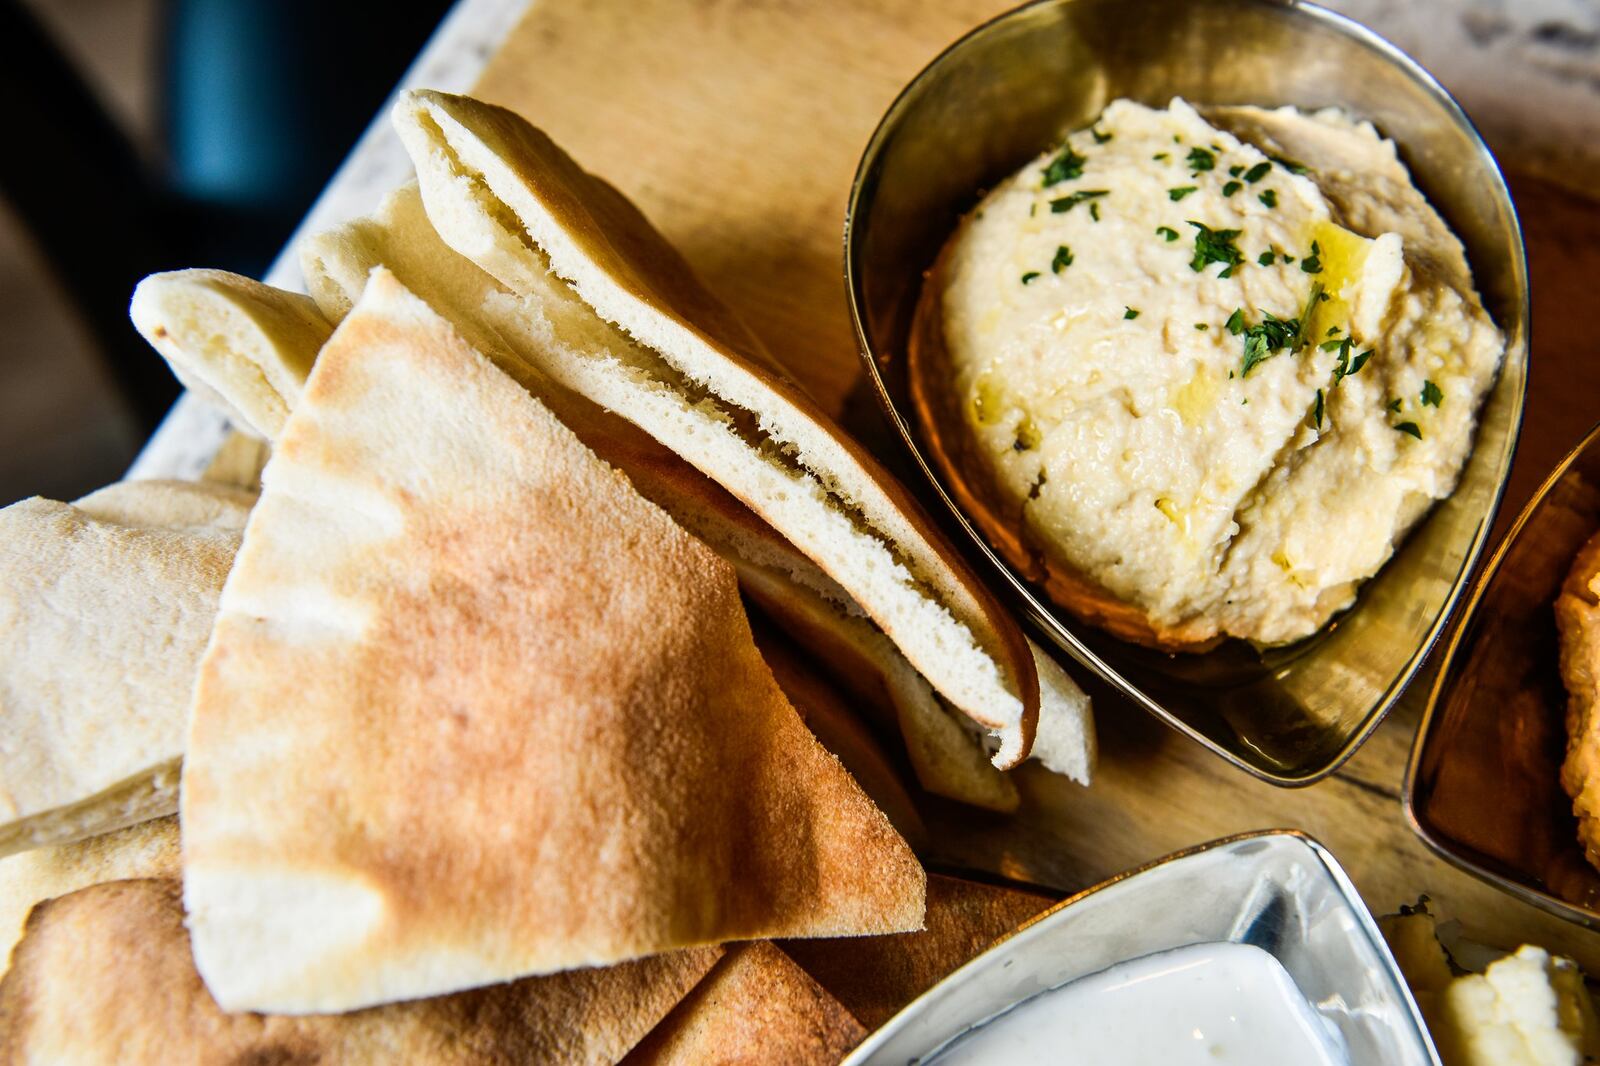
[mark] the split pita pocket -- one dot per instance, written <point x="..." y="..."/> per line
<point x="105" y="974"/>
<point x="473" y="709"/>
<point x="946" y="756"/>
<point x="627" y="325"/>
<point x="240" y="344"/>
<point x="754" y="1006"/>
<point x="105" y="609"/>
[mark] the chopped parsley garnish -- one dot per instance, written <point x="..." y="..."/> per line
<point x="1312" y="264"/>
<point x="1230" y="188"/>
<point x="1029" y="276"/>
<point x="1335" y="345"/>
<point x="1062" y="260"/>
<point x="1257" y="172"/>
<point x="1130" y="313"/>
<point x="1342" y="369"/>
<point x="1431" y="394"/>
<point x="1316" y="413"/>
<point x="1290" y="165"/>
<point x="1235" y="323"/>
<point x="1215" y="246"/>
<point x="1160" y="156"/>
<point x="1266" y="258"/>
<point x="1269" y="197"/>
<point x="1100" y="138"/>
<point x="1094" y="212"/>
<point x="1266" y="338"/>
<point x="1235" y="170"/>
<point x="1287" y="258"/>
<point x="1200" y="159"/>
<point x="1180" y="192"/>
<point x="1167" y="233"/>
<point x="1064" y="167"/>
<point x="1201" y="326"/>
<point x="1305" y="314"/>
<point x="1063" y="204"/>
<point x="1332" y="331"/>
<point x="1394" y="405"/>
<point x="1409" y="427"/>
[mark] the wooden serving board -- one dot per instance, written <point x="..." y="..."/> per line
<point x="736" y="126"/>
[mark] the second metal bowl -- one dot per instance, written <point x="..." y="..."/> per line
<point x="1012" y="88"/>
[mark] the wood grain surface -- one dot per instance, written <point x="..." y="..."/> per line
<point x="736" y="126"/>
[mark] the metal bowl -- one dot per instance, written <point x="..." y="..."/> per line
<point x="1483" y="788"/>
<point x="1014" y="86"/>
<point x="1278" y="890"/>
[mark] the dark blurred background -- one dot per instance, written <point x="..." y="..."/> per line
<point x="151" y="135"/>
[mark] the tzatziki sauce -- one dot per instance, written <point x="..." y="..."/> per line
<point x="1216" y="1004"/>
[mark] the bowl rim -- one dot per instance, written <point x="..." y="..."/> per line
<point x="1316" y="851"/>
<point x="1058" y="631"/>
<point x="1545" y="901"/>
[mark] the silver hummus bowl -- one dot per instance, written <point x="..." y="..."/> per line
<point x="1013" y="87"/>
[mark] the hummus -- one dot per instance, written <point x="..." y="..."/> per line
<point x="1210" y="368"/>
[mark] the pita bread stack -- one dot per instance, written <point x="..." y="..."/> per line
<point x="105" y="608"/>
<point x="789" y="586"/>
<point x="105" y="975"/>
<point x="626" y="324"/>
<point x="471" y="707"/>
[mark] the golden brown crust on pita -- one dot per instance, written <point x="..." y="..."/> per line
<point x="755" y="1006"/>
<point x="841" y="731"/>
<point x="964" y="474"/>
<point x="876" y="976"/>
<point x="149" y="849"/>
<point x="1578" y="622"/>
<point x="610" y="235"/>
<point x="105" y="974"/>
<point x="516" y="720"/>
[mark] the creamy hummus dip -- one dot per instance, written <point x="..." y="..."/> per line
<point x="1211" y="367"/>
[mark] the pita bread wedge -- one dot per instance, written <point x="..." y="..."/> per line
<point x="104" y="613"/>
<point x="623" y="322"/>
<point x="149" y="849"/>
<point x="474" y="709"/>
<point x="754" y="1006"/>
<point x="841" y="731"/>
<point x="946" y="756"/>
<point x="240" y="344"/>
<point x="105" y="974"/>
<point x="877" y="976"/>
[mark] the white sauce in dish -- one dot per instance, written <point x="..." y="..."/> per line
<point x="1209" y="1004"/>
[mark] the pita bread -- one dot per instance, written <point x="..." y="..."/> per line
<point x="238" y="343"/>
<point x="841" y="731"/>
<point x="174" y="505"/>
<point x="473" y="709"/>
<point x="104" y="613"/>
<point x="946" y="756"/>
<point x="105" y="974"/>
<point x="754" y="1006"/>
<point x="149" y="849"/>
<point x="875" y="977"/>
<point x="678" y="364"/>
